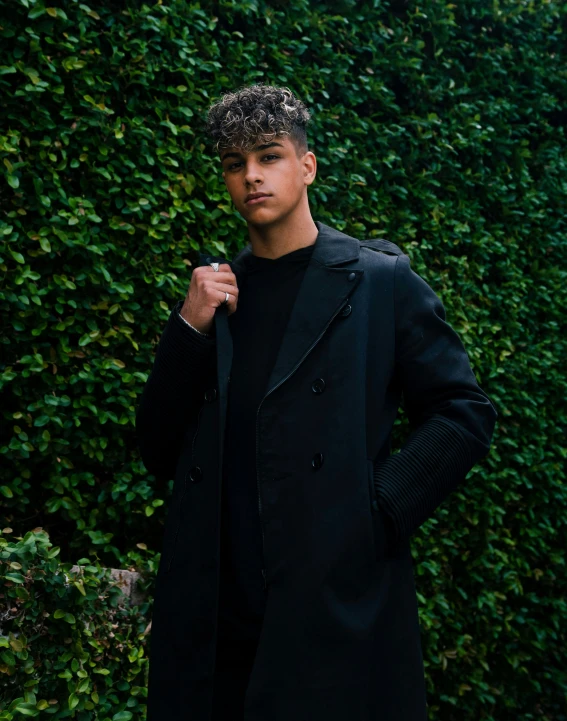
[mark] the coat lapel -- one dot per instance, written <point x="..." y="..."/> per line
<point x="323" y="291"/>
<point x="224" y="349"/>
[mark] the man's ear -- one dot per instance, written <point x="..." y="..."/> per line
<point x="309" y="167"/>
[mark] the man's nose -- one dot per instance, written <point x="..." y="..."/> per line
<point x="253" y="173"/>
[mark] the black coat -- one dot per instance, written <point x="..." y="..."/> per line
<point x="340" y="639"/>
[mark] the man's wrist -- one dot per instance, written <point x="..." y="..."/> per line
<point x="205" y="335"/>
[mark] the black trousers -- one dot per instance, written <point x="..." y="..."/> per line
<point x="232" y="672"/>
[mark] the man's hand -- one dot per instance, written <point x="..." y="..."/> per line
<point x="206" y="292"/>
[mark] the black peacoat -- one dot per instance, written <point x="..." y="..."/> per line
<point x="340" y="639"/>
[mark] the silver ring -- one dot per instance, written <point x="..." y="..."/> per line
<point x="215" y="267"/>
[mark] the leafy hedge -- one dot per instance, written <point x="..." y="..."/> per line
<point x="70" y="644"/>
<point x="439" y="126"/>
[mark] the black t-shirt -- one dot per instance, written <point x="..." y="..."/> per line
<point x="267" y="290"/>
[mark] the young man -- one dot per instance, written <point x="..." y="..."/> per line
<point x="285" y="590"/>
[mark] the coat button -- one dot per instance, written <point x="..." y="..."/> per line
<point x="317" y="461"/>
<point x="195" y="474"/>
<point x="351" y="276"/>
<point x="318" y="385"/>
<point x="346" y="310"/>
<point x="210" y="394"/>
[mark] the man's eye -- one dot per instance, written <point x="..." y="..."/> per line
<point x="238" y="163"/>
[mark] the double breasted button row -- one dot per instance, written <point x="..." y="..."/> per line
<point x="194" y="474"/>
<point x="318" y="385"/>
<point x="210" y="394"/>
<point x="346" y="310"/>
<point x="317" y="461"/>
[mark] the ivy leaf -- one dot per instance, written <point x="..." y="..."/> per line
<point x="15" y="577"/>
<point x="18" y="257"/>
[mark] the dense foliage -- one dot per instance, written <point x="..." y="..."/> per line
<point x="76" y="628"/>
<point x="439" y="126"/>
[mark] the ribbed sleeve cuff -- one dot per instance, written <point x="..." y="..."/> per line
<point x="182" y="354"/>
<point x="411" y="484"/>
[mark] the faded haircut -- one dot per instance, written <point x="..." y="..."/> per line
<point x="257" y="114"/>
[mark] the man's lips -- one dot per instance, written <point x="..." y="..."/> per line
<point x="256" y="198"/>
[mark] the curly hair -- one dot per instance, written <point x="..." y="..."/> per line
<point x="257" y="113"/>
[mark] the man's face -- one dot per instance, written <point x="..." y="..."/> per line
<point x="273" y="169"/>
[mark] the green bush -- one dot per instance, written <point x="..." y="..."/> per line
<point x="68" y="643"/>
<point x="439" y="126"/>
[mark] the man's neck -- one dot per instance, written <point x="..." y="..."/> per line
<point x="275" y="240"/>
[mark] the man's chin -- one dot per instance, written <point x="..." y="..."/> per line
<point x="260" y="218"/>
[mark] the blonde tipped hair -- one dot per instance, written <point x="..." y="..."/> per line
<point x="257" y="114"/>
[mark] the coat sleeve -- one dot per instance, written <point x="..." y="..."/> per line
<point x="172" y="395"/>
<point x="451" y="418"/>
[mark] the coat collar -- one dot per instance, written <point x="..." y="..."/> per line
<point x="324" y="290"/>
<point x="331" y="248"/>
